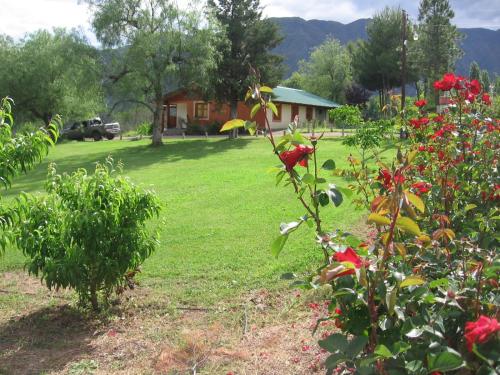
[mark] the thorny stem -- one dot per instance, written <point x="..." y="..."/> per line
<point x="314" y="214"/>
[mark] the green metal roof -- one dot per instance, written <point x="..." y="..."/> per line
<point x="295" y="96"/>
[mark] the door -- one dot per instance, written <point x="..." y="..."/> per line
<point x="295" y="111"/>
<point x="172" y="116"/>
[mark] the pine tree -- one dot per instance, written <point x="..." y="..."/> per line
<point x="485" y="80"/>
<point x="249" y="40"/>
<point x="438" y="41"/>
<point x="474" y="71"/>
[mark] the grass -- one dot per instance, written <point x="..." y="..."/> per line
<point x="221" y="212"/>
<point x="211" y="294"/>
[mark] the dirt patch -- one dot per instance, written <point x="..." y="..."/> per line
<point x="262" y="333"/>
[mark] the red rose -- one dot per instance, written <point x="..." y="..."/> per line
<point x="421" y="187"/>
<point x="474" y="87"/>
<point x="421" y="103"/>
<point x="298" y="155"/>
<point x="415" y="123"/>
<point x="480" y="331"/>
<point x="486" y="99"/>
<point x="350" y="256"/>
<point x="438" y="119"/>
<point x="424" y="121"/>
<point x="421" y="148"/>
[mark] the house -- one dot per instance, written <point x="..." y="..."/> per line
<point x="182" y="108"/>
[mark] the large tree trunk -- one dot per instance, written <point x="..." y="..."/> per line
<point x="234" y="114"/>
<point x="157" y="115"/>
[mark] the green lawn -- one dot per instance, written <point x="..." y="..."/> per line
<point x="221" y="211"/>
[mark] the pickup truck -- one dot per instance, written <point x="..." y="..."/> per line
<point x="93" y="128"/>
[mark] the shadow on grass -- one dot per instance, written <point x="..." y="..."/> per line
<point x="134" y="156"/>
<point x="44" y="341"/>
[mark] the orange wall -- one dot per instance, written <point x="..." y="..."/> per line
<point x="217" y="112"/>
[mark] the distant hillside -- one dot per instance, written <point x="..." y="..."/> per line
<point x="482" y="45"/>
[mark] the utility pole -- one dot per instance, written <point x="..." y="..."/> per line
<point x="404" y="38"/>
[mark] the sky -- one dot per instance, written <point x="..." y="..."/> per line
<point x="23" y="16"/>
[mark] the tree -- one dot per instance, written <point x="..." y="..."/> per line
<point x="496" y="85"/>
<point x="250" y="38"/>
<point x="153" y="46"/>
<point x="474" y="71"/>
<point x="438" y="40"/>
<point x="89" y="233"/>
<point x="356" y="94"/>
<point x="56" y="72"/>
<point x="18" y="154"/>
<point x="376" y="61"/>
<point x="485" y="80"/>
<point x="327" y="72"/>
<point x="295" y="81"/>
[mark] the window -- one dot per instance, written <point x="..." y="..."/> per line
<point x="277" y="118"/>
<point x="201" y="110"/>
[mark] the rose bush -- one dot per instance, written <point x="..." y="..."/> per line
<point x="421" y="297"/>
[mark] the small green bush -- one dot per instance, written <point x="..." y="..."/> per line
<point x="145" y="129"/>
<point x="199" y="129"/>
<point x="88" y="233"/>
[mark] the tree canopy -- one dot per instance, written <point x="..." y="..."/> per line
<point x="328" y="71"/>
<point x="437" y="40"/>
<point x="377" y="60"/>
<point x="50" y="73"/>
<point x="154" y="46"/>
<point x="249" y="40"/>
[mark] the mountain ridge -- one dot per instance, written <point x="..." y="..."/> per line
<point x="301" y="36"/>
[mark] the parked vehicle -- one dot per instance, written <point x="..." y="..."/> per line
<point x="93" y="128"/>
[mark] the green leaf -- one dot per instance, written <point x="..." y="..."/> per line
<point x="335" y="195"/>
<point x="469" y="207"/>
<point x="334" y="360"/>
<point x="278" y="244"/>
<point x="445" y="361"/>
<point x="355" y="346"/>
<point x="254" y="110"/>
<point x="323" y="199"/>
<point x="439" y="282"/>
<point x="232" y="124"/>
<point x="408" y="225"/>
<point x="266" y="89"/>
<point x="279" y="176"/>
<point x="334" y="343"/>
<point x="308" y="178"/>
<point x="383" y="351"/>
<point x="298" y="139"/>
<point x="412" y="280"/>
<point x="416" y="201"/>
<point x="251" y="127"/>
<point x="273" y="108"/>
<point x="378" y="219"/>
<point x="328" y="165"/>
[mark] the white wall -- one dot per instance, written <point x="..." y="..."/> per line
<point x="286" y="114"/>
<point x="181" y="114"/>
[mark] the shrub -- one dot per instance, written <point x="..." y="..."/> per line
<point x="18" y="154"/>
<point x="421" y="294"/>
<point x="194" y="128"/>
<point x="89" y="233"/>
<point x="347" y="116"/>
<point x="145" y="129"/>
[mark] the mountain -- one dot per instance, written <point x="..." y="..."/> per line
<point x="301" y="36"/>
